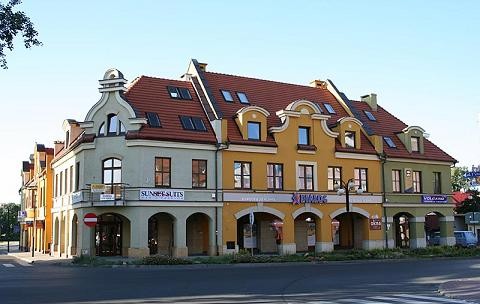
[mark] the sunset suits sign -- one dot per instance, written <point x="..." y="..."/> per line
<point x="161" y="195"/>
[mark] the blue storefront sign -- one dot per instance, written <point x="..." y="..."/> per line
<point x="432" y="199"/>
<point x="312" y="198"/>
<point x="472" y="174"/>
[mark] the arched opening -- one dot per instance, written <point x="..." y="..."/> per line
<point x="401" y="226"/>
<point x="348" y="230"/>
<point x="74" y="235"/>
<point x="432" y="228"/>
<point x="263" y="236"/>
<point x="160" y="234"/>
<point x="112" y="234"/>
<point x="305" y="231"/>
<point x="112" y="176"/>
<point x="56" y="235"/>
<point x="198" y="238"/>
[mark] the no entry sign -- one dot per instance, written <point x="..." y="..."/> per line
<point x="90" y="219"/>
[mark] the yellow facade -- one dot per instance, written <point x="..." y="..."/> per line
<point x="278" y="204"/>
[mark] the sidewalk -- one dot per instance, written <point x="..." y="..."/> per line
<point x="464" y="289"/>
<point x="27" y="256"/>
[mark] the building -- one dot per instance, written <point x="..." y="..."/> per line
<point x="417" y="179"/>
<point x="36" y="201"/>
<point x="144" y="163"/>
<point x="287" y="150"/>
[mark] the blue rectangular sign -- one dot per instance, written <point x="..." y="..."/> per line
<point x="472" y="174"/>
<point x="432" y="199"/>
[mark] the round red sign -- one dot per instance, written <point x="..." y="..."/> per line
<point x="90" y="219"/>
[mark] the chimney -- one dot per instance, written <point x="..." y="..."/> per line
<point x="371" y="100"/>
<point x="318" y="84"/>
<point x="203" y="66"/>
<point x="58" y="146"/>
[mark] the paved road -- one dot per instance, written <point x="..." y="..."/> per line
<point x="411" y="282"/>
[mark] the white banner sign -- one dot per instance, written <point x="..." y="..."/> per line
<point x="162" y="195"/>
<point x="77" y="197"/>
<point x="107" y="197"/>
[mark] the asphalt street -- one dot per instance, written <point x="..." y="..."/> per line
<point x="406" y="281"/>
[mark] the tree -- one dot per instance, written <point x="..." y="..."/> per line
<point x="471" y="204"/>
<point x="459" y="181"/>
<point x="11" y="23"/>
<point x="8" y="222"/>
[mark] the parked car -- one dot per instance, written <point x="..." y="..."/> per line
<point x="465" y="238"/>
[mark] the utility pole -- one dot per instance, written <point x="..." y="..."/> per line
<point x="9" y="228"/>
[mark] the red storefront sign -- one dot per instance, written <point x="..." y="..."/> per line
<point x="375" y="224"/>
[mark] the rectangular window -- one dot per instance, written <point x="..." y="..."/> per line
<point x="153" y="120"/>
<point x="370" y="116"/>
<point x="227" y="95"/>
<point x="329" y="108"/>
<point x="396" y="180"/>
<point x="417" y="182"/>
<point x="192" y="123"/>
<point x="242" y="97"/>
<point x="56" y="185"/>
<point x="350" y="139"/>
<point x="361" y="178"/>
<point x="185" y="93"/>
<point x="415" y="141"/>
<point x="71" y="179"/>
<point x="253" y="130"/>
<point x="305" y="177"/>
<point x="77" y="176"/>
<point x="65" y="182"/>
<point x="162" y="171"/>
<point x="334" y="177"/>
<point x="173" y="91"/>
<point x="60" y="182"/>
<point x="275" y="176"/>
<point x="199" y="173"/>
<point x="198" y="124"/>
<point x="242" y="175"/>
<point x="437" y="183"/>
<point x="389" y="142"/>
<point x="303" y="135"/>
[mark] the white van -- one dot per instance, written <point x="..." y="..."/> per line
<point x="465" y="238"/>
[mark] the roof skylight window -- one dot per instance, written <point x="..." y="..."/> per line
<point x="329" y="108"/>
<point x="179" y="93"/>
<point x="153" y="120"/>
<point x="389" y="142"/>
<point x="242" y="97"/>
<point x="193" y="123"/>
<point x="370" y="116"/>
<point x="173" y="91"/>
<point x="227" y="95"/>
<point x="185" y="93"/>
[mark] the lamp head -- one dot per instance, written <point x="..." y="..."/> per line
<point x="341" y="191"/>
<point x="351" y="185"/>
<point x="359" y="191"/>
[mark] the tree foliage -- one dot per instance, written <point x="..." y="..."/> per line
<point x="459" y="181"/>
<point x="471" y="204"/>
<point x="12" y="23"/>
<point x="8" y="222"/>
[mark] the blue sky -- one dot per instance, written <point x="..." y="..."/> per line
<point x="420" y="57"/>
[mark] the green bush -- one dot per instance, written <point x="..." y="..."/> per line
<point x="164" y="260"/>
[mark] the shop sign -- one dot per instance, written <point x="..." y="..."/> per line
<point x="432" y="199"/>
<point x="375" y="224"/>
<point x="312" y="198"/>
<point x="107" y="197"/>
<point x="77" y="197"/>
<point x="472" y="174"/>
<point x="22" y="214"/>
<point x="97" y="188"/>
<point x="161" y="195"/>
<point x="256" y="197"/>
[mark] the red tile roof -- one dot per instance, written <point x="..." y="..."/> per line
<point x="387" y="124"/>
<point x="272" y="96"/>
<point x="149" y="94"/>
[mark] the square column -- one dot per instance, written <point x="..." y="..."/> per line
<point x="323" y="235"/>
<point x="417" y="232"/>
<point x="138" y="234"/>
<point x="180" y="248"/>
<point x="446" y="231"/>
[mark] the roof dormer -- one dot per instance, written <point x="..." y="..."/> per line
<point x="252" y="122"/>
<point x="412" y="137"/>
<point x="349" y="130"/>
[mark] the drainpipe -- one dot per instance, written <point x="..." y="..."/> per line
<point x="219" y="146"/>
<point x="383" y="159"/>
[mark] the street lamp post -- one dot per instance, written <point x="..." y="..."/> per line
<point x="9" y="228"/>
<point x="346" y="188"/>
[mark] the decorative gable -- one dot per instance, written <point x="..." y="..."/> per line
<point x="250" y="118"/>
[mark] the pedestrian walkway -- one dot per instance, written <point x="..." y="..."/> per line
<point x="27" y="256"/>
<point x="467" y="289"/>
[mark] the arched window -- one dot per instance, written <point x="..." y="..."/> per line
<point x="112" y="124"/>
<point x="112" y="176"/>
<point x="101" y="130"/>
